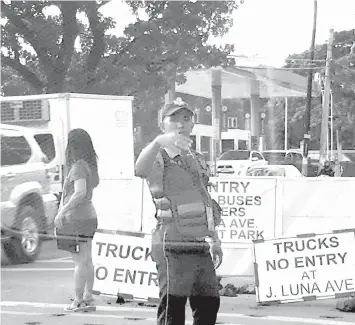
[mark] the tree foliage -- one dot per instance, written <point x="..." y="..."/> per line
<point x="40" y="47"/>
<point x="61" y="53"/>
<point x="174" y="37"/>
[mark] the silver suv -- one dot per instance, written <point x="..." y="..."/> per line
<point x="27" y="206"/>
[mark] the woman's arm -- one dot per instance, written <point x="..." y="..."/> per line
<point x="77" y="197"/>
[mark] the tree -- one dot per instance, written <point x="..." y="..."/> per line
<point x="343" y="89"/>
<point x="52" y="39"/>
<point x="175" y="35"/>
<point x="172" y="39"/>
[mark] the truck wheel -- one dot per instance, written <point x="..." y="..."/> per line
<point x="25" y="246"/>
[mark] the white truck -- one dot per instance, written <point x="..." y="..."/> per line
<point x="108" y="119"/>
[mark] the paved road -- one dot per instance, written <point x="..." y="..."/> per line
<point x="35" y="294"/>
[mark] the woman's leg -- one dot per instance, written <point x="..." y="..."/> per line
<point x="90" y="273"/>
<point x="80" y="270"/>
<point x="91" y="227"/>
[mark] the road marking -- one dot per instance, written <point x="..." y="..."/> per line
<point x="36" y="269"/>
<point x="56" y="260"/>
<point x="296" y="320"/>
<point x="62" y="306"/>
<point x="81" y="315"/>
<point x="21" y="313"/>
<point x="307" y="320"/>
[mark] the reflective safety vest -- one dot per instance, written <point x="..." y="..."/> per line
<point x="182" y="201"/>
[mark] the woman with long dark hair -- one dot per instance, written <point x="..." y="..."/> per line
<point x="78" y="214"/>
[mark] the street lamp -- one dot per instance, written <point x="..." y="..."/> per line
<point x="262" y="137"/>
<point x="197" y="116"/>
<point x="262" y="115"/>
<point x="247" y="121"/>
<point x="224" y="118"/>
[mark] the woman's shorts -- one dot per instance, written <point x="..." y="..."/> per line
<point x="86" y="229"/>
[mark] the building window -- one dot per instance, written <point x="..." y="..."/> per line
<point x="242" y="145"/>
<point x="232" y="123"/>
<point x="227" y="144"/>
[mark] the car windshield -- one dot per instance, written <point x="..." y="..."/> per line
<point x="235" y="155"/>
<point x="274" y="156"/>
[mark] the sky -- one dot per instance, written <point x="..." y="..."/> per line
<point x="268" y="30"/>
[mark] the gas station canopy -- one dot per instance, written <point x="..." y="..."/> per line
<point x="236" y="83"/>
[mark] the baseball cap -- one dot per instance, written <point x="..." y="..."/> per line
<point x="173" y="107"/>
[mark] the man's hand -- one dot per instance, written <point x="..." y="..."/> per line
<point x="216" y="252"/>
<point x="174" y="140"/>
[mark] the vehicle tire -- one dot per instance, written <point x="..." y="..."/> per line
<point x="25" y="247"/>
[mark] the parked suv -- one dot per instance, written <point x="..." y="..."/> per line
<point x="28" y="207"/>
<point x="236" y="162"/>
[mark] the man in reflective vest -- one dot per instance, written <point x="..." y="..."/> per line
<point x="186" y="216"/>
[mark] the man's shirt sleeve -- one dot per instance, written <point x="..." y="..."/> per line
<point x="204" y="168"/>
<point x="155" y="174"/>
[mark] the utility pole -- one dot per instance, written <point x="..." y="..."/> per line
<point x="338" y="156"/>
<point x="286" y="123"/>
<point x="216" y="115"/>
<point x="307" y="115"/>
<point x="326" y="101"/>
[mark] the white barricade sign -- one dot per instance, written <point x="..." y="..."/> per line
<point x="118" y="203"/>
<point x="248" y="208"/>
<point x="306" y="267"/>
<point x="123" y="264"/>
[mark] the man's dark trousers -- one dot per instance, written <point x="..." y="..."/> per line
<point x="182" y="276"/>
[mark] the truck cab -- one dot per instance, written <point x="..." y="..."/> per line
<point x="28" y="207"/>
